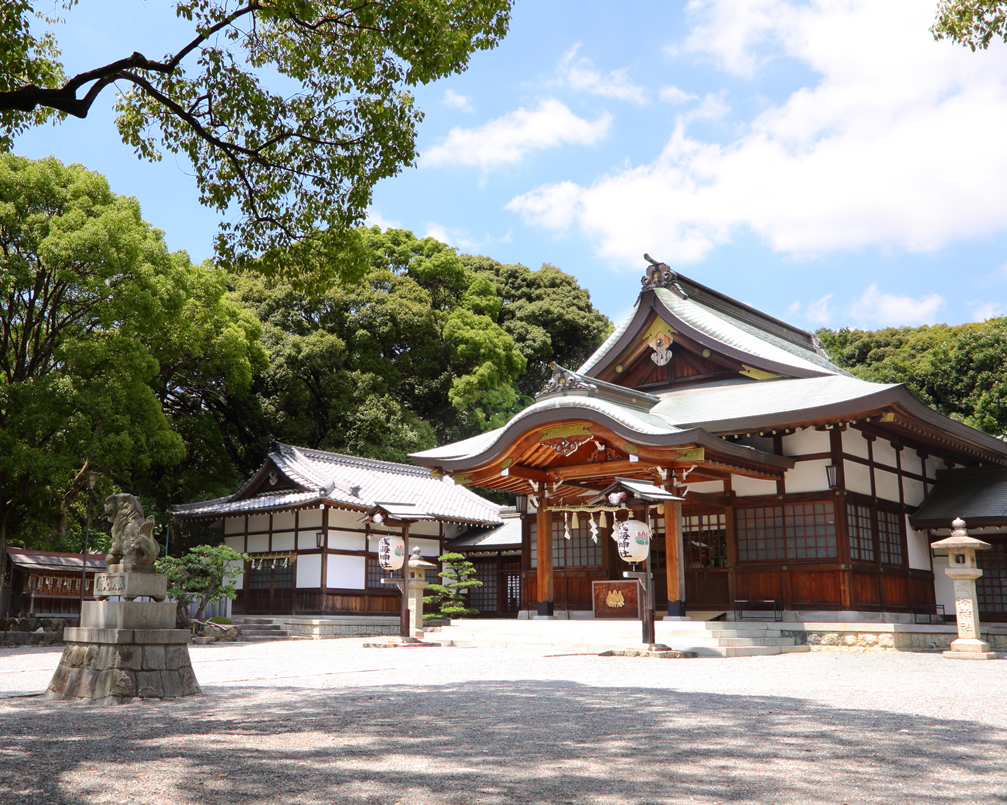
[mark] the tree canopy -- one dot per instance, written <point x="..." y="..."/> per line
<point x="94" y="314"/>
<point x="288" y="110"/>
<point x="974" y="23"/>
<point x="959" y="371"/>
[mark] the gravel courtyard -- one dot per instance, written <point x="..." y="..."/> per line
<point x="329" y="722"/>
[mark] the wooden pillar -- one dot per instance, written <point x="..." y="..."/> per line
<point x="404" y="606"/>
<point x="325" y="563"/>
<point x="674" y="561"/>
<point x="543" y="581"/>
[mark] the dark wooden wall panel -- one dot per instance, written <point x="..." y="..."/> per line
<point x="766" y="584"/>
<point x="864" y="590"/>
<point x="815" y="588"/>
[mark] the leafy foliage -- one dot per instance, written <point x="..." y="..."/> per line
<point x="95" y="313"/>
<point x="974" y="23"/>
<point x="203" y="575"/>
<point x="456" y="572"/>
<point x="960" y="371"/>
<point x="288" y="110"/>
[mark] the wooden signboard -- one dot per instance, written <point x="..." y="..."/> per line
<point x="616" y="599"/>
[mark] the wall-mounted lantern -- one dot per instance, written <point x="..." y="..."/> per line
<point x="832" y="475"/>
<point x="319" y="539"/>
<point x="521" y="504"/>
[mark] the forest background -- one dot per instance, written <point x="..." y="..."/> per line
<point x="172" y="379"/>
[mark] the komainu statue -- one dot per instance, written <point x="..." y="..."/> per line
<point x="133" y="544"/>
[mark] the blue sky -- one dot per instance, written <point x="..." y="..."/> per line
<point x="827" y="162"/>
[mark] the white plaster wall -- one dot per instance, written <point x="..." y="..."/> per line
<point x="884" y="453"/>
<point x="258" y="543"/>
<point x="427" y="547"/>
<point x="919" y="548"/>
<point x="309" y="570"/>
<point x="234" y="525"/>
<point x="306" y="539"/>
<point x="240" y="581"/>
<point x="913" y="490"/>
<point x="806" y="441"/>
<point x="258" y="522"/>
<point x="854" y="443"/>
<point x="944" y="588"/>
<point x="343" y="541"/>
<point x="284" y="521"/>
<point x="708" y="487"/>
<point x="430" y="528"/>
<point x="858" y="477"/>
<point x="310" y="518"/>
<point x="887" y="484"/>
<point x="284" y="541"/>
<point x="808" y="476"/>
<point x="934" y="464"/>
<point x="237" y="543"/>
<point x="339" y="518"/>
<point x="346" y="571"/>
<point x="743" y="486"/>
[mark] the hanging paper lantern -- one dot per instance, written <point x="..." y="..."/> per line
<point x="391" y="552"/>
<point x="633" y="540"/>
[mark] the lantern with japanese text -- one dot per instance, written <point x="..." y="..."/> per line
<point x="633" y="540"/>
<point x="391" y="552"/>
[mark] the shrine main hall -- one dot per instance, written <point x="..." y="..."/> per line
<point x="794" y="481"/>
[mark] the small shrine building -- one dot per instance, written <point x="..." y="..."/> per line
<point x="302" y="521"/>
<point x="799" y="482"/>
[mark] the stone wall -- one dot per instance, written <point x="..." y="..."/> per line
<point x="853" y="637"/>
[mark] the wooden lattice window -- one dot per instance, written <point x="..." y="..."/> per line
<point x="858" y="524"/>
<point x="788" y="532"/>
<point x="991" y="586"/>
<point x="705" y="537"/>
<point x="578" y="551"/>
<point x="891" y="537"/>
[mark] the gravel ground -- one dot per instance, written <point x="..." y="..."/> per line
<point x="332" y="722"/>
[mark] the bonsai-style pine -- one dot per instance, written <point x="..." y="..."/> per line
<point x="456" y="575"/>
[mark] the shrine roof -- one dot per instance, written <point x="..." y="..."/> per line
<point x="977" y="495"/>
<point x="318" y="476"/>
<point x="55" y="560"/>
<point x="723" y="324"/>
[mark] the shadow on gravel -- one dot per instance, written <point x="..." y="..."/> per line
<point x="490" y="742"/>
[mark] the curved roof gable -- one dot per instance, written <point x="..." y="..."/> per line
<point x="715" y="322"/>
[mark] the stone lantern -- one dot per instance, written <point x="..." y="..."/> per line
<point x="417" y="582"/>
<point x="962" y="569"/>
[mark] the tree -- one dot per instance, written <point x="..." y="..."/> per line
<point x="288" y="110"/>
<point x="94" y="312"/>
<point x="456" y="574"/>
<point x="973" y="23"/>
<point x="381" y="369"/>
<point x="959" y="371"/>
<point x="204" y="575"/>
<point x="549" y="316"/>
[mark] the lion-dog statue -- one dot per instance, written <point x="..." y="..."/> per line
<point x="133" y="544"/>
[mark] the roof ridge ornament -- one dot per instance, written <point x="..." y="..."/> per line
<point x="659" y="275"/>
<point x="564" y="380"/>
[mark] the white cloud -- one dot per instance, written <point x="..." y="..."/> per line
<point x="897" y="145"/>
<point x="508" y="139"/>
<point x="456" y="101"/>
<point x="818" y="312"/>
<point x="375" y="218"/>
<point x="880" y="309"/>
<point x="449" y="235"/>
<point x="981" y="311"/>
<point x="580" y="74"/>
<point x="672" y="94"/>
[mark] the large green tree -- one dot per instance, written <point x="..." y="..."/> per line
<point x="288" y="110"/>
<point x="961" y="371"/>
<point x="547" y="313"/>
<point x="95" y="313"/>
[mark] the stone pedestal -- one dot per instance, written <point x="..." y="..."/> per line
<point x="124" y="651"/>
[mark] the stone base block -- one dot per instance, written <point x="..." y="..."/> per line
<point x="971" y="655"/>
<point x="131" y="585"/>
<point x="128" y="615"/>
<point x="966" y="644"/>
<point x="102" y="666"/>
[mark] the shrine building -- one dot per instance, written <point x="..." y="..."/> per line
<point x="798" y="482"/>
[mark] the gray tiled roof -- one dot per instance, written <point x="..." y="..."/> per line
<point x="506" y="535"/>
<point x="53" y="560"/>
<point x="978" y="496"/>
<point x="354" y="482"/>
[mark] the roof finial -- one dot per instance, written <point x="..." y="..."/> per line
<point x="660" y="276"/>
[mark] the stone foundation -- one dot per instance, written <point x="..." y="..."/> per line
<point x="877" y="637"/>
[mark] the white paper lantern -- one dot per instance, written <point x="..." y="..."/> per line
<point x="633" y="540"/>
<point x="391" y="552"/>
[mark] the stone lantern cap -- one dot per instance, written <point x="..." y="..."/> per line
<point x="960" y="540"/>
<point x="418" y="561"/>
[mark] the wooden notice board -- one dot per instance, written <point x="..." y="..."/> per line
<point x="616" y="599"/>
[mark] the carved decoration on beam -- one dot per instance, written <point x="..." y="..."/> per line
<point x="567" y="447"/>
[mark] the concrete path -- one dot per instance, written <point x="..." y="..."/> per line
<point x="298" y="723"/>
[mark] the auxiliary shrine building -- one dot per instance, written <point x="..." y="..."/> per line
<point x="798" y="483"/>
